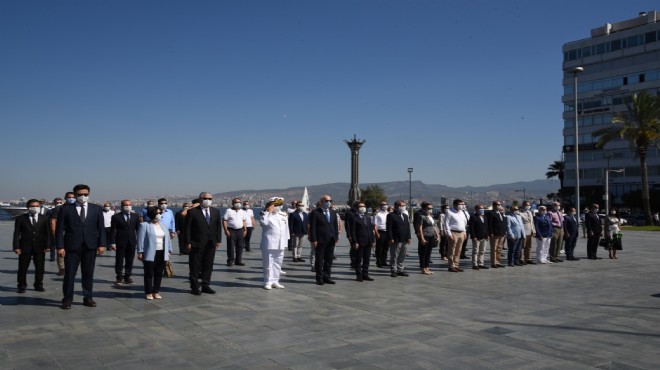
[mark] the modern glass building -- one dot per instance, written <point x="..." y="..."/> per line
<point x="619" y="60"/>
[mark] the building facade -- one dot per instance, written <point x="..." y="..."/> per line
<point x="619" y="60"/>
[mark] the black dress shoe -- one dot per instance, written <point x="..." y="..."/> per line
<point x="530" y="262"/>
<point x="240" y="264"/>
<point x="575" y="259"/>
<point x="482" y="267"/>
<point x="20" y="290"/>
<point x="402" y="273"/>
<point x="558" y="260"/>
<point x="329" y="281"/>
<point x="61" y="273"/>
<point x="367" y="278"/>
<point x="89" y="302"/>
<point x="359" y="278"/>
<point x="208" y="290"/>
<point x="40" y="289"/>
<point x="301" y="260"/>
<point x="494" y="266"/>
<point x="598" y="258"/>
<point x="386" y="264"/>
<point x="393" y="274"/>
<point x="500" y="266"/>
<point x="379" y="265"/>
<point x="475" y="267"/>
<point x="313" y="269"/>
<point x="318" y="282"/>
<point x="66" y="305"/>
<point x="195" y="292"/>
<point x="128" y="281"/>
<point x="452" y="269"/>
<point x="464" y="257"/>
<point x="230" y="264"/>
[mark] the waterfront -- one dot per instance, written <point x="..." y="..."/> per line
<point x="577" y="315"/>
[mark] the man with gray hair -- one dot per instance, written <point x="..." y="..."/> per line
<point x="203" y="236"/>
<point x="398" y="232"/>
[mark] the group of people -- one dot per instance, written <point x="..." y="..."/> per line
<point x="79" y="231"/>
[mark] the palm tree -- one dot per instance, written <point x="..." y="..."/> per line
<point x="556" y="169"/>
<point x="640" y="127"/>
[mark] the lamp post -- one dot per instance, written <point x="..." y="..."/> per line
<point x="576" y="70"/>
<point x="524" y="191"/>
<point x="410" y="171"/>
<point x="606" y="196"/>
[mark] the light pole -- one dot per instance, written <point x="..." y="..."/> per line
<point x="410" y="171"/>
<point x="524" y="191"/>
<point x="576" y="70"/>
<point x="606" y="196"/>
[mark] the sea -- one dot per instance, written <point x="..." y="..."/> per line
<point x="4" y="216"/>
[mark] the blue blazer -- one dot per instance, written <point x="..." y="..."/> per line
<point x="514" y="227"/>
<point x="146" y="242"/>
<point x="543" y="224"/>
<point x="298" y="226"/>
<point x="72" y="234"/>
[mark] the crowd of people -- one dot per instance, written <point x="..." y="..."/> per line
<point x="76" y="231"/>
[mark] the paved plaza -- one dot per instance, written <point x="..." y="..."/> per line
<point x="574" y="315"/>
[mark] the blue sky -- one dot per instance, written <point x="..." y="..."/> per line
<point x="140" y="98"/>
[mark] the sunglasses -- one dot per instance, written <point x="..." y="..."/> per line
<point x="207" y="198"/>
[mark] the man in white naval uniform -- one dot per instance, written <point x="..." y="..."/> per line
<point x="274" y="241"/>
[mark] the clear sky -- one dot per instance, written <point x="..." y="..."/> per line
<point x="141" y="98"/>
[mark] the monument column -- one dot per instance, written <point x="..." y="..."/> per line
<point x="354" y="192"/>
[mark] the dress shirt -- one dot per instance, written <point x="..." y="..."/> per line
<point x="455" y="220"/>
<point x="167" y="218"/>
<point x="380" y="220"/>
<point x="557" y="218"/>
<point x="249" y="215"/>
<point x="235" y="218"/>
<point x="107" y="218"/>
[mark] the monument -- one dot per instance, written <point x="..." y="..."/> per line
<point x="354" y="145"/>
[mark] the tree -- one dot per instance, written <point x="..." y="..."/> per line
<point x="372" y="196"/>
<point x="640" y="127"/>
<point x="556" y="169"/>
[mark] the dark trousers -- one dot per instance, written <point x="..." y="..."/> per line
<point x="24" y="259"/>
<point x="424" y="252"/>
<point x="382" y="247"/>
<point x="513" y="252"/>
<point x="444" y="244"/>
<point x="86" y="259"/>
<point x="592" y="246"/>
<point x="248" y="236"/>
<point x="182" y="245"/>
<point x="153" y="273"/>
<point x="323" y="254"/>
<point x="361" y="258"/>
<point x="200" y="261"/>
<point x="235" y="246"/>
<point x="124" y="256"/>
<point x="569" y="247"/>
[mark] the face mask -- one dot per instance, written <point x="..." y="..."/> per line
<point x="429" y="212"/>
<point x="277" y="209"/>
<point x="163" y="206"/>
<point x="237" y="205"/>
<point x="595" y="210"/>
<point x="404" y="211"/>
<point x="33" y="210"/>
<point x="82" y="199"/>
<point x="127" y="209"/>
<point x="482" y="211"/>
<point x="300" y="209"/>
<point x="327" y="204"/>
<point x="106" y="209"/>
<point x="362" y="210"/>
<point x="613" y="212"/>
<point x="516" y="212"/>
<point x="70" y="200"/>
<point x="207" y="202"/>
<point x="461" y="207"/>
<point x="158" y="217"/>
<point x="247" y="206"/>
<point x="541" y="212"/>
<point x="572" y="213"/>
<point x="383" y="208"/>
<point x="528" y="208"/>
<point x="401" y="209"/>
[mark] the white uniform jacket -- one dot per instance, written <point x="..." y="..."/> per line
<point x="275" y="231"/>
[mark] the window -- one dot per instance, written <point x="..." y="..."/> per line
<point x="632" y="41"/>
<point x="650" y="37"/>
<point x="600" y="48"/>
<point x="586" y="51"/>
<point x="641" y="77"/>
<point x="615" y="45"/>
<point x="625" y="80"/>
<point x="569" y="140"/>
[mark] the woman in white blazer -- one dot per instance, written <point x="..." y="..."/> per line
<point x="274" y="241"/>
<point x="154" y="247"/>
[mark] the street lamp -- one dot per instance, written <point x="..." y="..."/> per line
<point x="576" y="70"/>
<point x="524" y="191"/>
<point x="606" y="197"/>
<point x="410" y="171"/>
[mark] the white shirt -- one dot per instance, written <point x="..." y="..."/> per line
<point x="380" y="220"/>
<point x="107" y="217"/>
<point x="235" y="218"/>
<point x="160" y="237"/>
<point x="455" y="220"/>
<point x="249" y="215"/>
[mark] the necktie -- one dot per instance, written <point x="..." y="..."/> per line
<point x="208" y="216"/>
<point x="327" y="215"/>
<point x="126" y="217"/>
<point x="34" y="220"/>
<point x="82" y="213"/>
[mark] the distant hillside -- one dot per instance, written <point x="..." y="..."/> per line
<point x="399" y="190"/>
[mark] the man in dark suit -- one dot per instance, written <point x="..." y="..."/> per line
<point x="571" y="233"/>
<point x="497" y="232"/>
<point x="80" y="236"/>
<point x="203" y="236"/>
<point x="363" y="239"/>
<point x="478" y="232"/>
<point x="398" y="232"/>
<point x="323" y="234"/>
<point x="31" y="241"/>
<point x="594" y="232"/>
<point x="179" y="224"/>
<point x="123" y="240"/>
<point x="298" y="230"/>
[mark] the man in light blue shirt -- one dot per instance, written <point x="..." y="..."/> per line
<point x="167" y="216"/>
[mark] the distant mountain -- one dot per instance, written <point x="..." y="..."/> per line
<point x="400" y="190"/>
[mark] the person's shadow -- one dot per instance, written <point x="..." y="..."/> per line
<point x="29" y="301"/>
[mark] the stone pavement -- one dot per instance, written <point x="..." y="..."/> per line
<point x="573" y="315"/>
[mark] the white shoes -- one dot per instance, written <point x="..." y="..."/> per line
<point x="282" y="272"/>
<point x="267" y="286"/>
<point x="277" y="285"/>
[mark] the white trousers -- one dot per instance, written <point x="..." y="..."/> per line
<point x="542" y="246"/>
<point x="272" y="264"/>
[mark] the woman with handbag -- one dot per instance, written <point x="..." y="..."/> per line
<point x="154" y="247"/>
<point x="427" y="232"/>
<point x="613" y="233"/>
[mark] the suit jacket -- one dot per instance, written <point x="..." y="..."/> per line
<point x="297" y="225"/>
<point x="571" y="226"/>
<point x="496" y="226"/>
<point x="398" y="227"/>
<point x="73" y="234"/>
<point x="362" y="231"/>
<point x="30" y="238"/>
<point x="146" y="240"/>
<point x="320" y="230"/>
<point x="124" y="233"/>
<point x="543" y="225"/>
<point x="198" y="232"/>
<point x="593" y="224"/>
<point x="478" y="228"/>
<point x="514" y="227"/>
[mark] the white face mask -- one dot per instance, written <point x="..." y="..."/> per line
<point x="158" y="217"/>
<point x="82" y="199"/>
<point x="429" y="212"/>
<point x="277" y="209"/>
<point x="528" y="208"/>
<point x="613" y="212"/>
<point x="127" y="209"/>
<point x="300" y="209"/>
<point x="33" y="210"/>
<point x="247" y="206"/>
<point x="207" y="202"/>
<point x="237" y="205"/>
<point x="383" y="208"/>
<point x="572" y="213"/>
<point x="362" y="210"/>
<point x="106" y="209"/>
<point x="163" y="206"/>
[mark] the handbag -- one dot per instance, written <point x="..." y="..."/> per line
<point x="169" y="269"/>
<point x="605" y="243"/>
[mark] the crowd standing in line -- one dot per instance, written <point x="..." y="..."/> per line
<point x="79" y="231"/>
